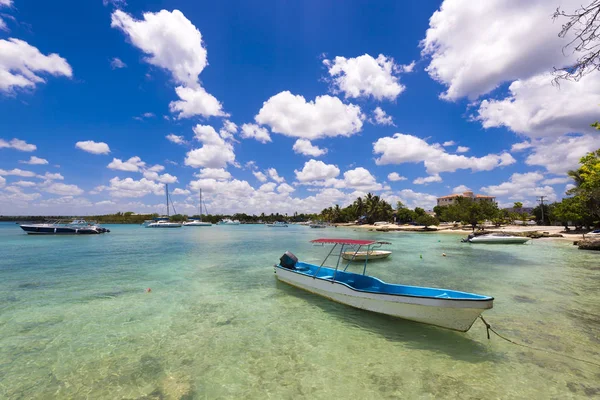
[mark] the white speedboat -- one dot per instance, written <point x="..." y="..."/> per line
<point x="75" y="227"/>
<point x="277" y="224"/>
<point x="228" y="221"/>
<point x="440" y="307"/>
<point x="197" y="222"/>
<point x="497" y="238"/>
<point x="364" y="255"/>
<point x="318" y="225"/>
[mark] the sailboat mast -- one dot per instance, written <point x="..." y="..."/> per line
<point x="167" y="194"/>
<point x="200" y="205"/>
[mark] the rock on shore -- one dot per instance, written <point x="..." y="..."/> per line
<point x="589" y="244"/>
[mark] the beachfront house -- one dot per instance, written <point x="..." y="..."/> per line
<point x="451" y="198"/>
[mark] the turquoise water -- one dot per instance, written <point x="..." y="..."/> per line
<point x="76" y="322"/>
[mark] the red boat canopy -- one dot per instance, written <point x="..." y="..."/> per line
<point x="345" y="241"/>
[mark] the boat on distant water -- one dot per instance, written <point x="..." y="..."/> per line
<point x="318" y="225"/>
<point x="198" y="222"/>
<point x="75" y="227"/>
<point x="440" y="307"/>
<point x="372" y="254"/>
<point x="496" y="238"/>
<point x="163" y="222"/>
<point x="277" y="224"/>
<point x="228" y="221"/>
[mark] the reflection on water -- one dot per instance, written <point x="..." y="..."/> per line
<point x="76" y="321"/>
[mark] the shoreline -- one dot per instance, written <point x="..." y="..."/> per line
<point x="517" y="229"/>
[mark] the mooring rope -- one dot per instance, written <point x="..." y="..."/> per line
<point x="489" y="328"/>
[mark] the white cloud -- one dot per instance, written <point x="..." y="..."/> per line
<point x="461" y="189"/>
<point x="3" y="182"/>
<point x="129" y="187"/>
<point x="228" y="130"/>
<point x="267" y="187"/>
<point x="394" y="177"/>
<point x="3" y="26"/>
<point x="305" y="147"/>
<point x="63" y="189"/>
<point x="285" y="188"/>
<point x="314" y="170"/>
<point x="156" y="168"/>
<point x="215" y="152"/>
<point x="256" y="132"/>
<point x="365" y="76"/>
<point x="449" y="143"/>
<point x="196" y="101"/>
<point x="520" y="146"/>
<point x="116" y="63"/>
<point x="33" y="160"/>
<point x="562" y="154"/>
<point x="175" y="139"/>
<point x="381" y="118"/>
<point x="408" y="68"/>
<point x="403" y="148"/>
<point x="132" y="165"/>
<point x="6" y="3"/>
<point x="474" y="47"/>
<point x="462" y="149"/>
<point x="179" y="191"/>
<point x="115" y="3"/>
<point x="17" y="144"/>
<point x="169" y="39"/>
<point x="520" y="187"/>
<point x="214" y="173"/>
<point x="93" y="147"/>
<point x="172" y="42"/>
<point x="556" y="180"/>
<point x="164" y="178"/>
<point x="293" y="116"/>
<point x="427" y="179"/>
<point x="24" y="183"/>
<point x="412" y="199"/>
<point x="260" y="176"/>
<point x="360" y="178"/>
<point x="536" y="108"/>
<point x="274" y="175"/>
<point x="48" y="176"/>
<point x="17" y="172"/>
<point x="20" y="63"/>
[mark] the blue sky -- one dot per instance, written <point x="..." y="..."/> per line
<point x="277" y="107"/>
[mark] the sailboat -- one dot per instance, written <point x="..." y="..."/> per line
<point x="198" y="222"/>
<point x="163" y="222"/>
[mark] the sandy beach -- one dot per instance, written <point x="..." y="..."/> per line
<point x="449" y="229"/>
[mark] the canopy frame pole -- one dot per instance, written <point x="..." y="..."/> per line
<point x="366" y="259"/>
<point x="353" y="257"/>
<point x="323" y="263"/>
<point x="338" y="263"/>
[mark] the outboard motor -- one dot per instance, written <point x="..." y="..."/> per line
<point x="288" y="260"/>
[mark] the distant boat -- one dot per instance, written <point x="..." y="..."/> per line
<point x="318" y="225"/>
<point x="496" y="238"/>
<point x="372" y="254"/>
<point x="440" y="307"/>
<point x="76" y="227"/>
<point x="198" y="222"/>
<point x="228" y="221"/>
<point x="163" y="222"/>
<point x="278" y="224"/>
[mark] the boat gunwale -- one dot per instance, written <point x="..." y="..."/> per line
<point x="331" y="280"/>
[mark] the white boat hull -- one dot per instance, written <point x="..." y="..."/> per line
<point x="197" y="224"/>
<point x="499" y="240"/>
<point x="446" y="313"/>
<point x="362" y="255"/>
<point x="164" y="225"/>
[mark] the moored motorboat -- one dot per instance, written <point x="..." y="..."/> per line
<point x="277" y="224"/>
<point x="364" y="255"/>
<point x="198" y="221"/>
<point x="318" y="225"/>
<point x="497" y="238"/>
<point x="440" y="307"/>
<point x="163" y="222"/>
<point x="228" y="221"/>
<point x="75" y="227"/>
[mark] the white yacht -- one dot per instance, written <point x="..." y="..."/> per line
<point x="163" y="222"/>
<point x="278" y="224"/>
<point x="497" y="238"/>
<point x="198" y="222"/>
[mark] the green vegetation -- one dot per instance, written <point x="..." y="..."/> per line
<point x="369" y="209"/>
<point x="468" y="212"/>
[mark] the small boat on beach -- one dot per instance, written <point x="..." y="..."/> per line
<point x="198" y="222"/>
<point x="228" y="221"/>
<point x="445" y="308"/>
<point x="372" y="254"/>
<point x="75" y="227"/>
<point x="496" y="238"/>
<point x="277" y="224"/>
